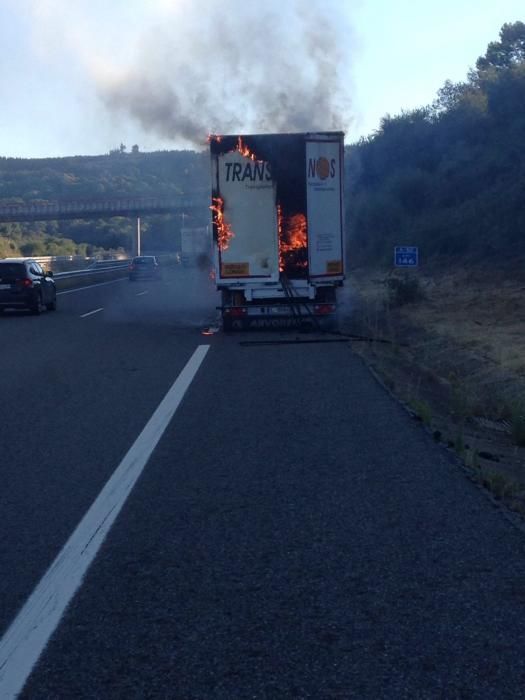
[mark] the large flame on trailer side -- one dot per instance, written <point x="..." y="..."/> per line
<point x="224" y="230"/>
<point x="292" y="240"/>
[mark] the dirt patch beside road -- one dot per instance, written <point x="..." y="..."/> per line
<point x="456" y="357"/>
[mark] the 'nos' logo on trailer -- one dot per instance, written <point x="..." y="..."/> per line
<point x="321" y="168"/>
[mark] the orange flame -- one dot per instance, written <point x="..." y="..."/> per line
<point x="224" y="230"/>
<point x="292" y="239"/>
<point x="244" y="150"/>
<point x="214" y="137"/>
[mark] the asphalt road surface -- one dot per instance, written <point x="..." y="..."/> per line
<point x="292" y="535"/>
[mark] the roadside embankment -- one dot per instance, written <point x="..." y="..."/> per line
<point x="455" y="356"/>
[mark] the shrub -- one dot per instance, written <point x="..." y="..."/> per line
<point x="404" y="290"/>
<point x="422" y="410"/>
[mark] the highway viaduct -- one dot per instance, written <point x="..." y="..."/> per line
<point x="129" y="206"/>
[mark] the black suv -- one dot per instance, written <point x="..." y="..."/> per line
<point x="25" y="285"/>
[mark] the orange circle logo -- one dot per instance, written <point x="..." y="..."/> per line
<point x="323" y="168"/>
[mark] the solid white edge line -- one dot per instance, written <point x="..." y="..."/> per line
<point x="90" y="313"/>
<point x="98" y="284"/>
<point x="28" y="634"/>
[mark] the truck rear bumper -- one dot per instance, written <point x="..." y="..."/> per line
<point x="305" y="316"/>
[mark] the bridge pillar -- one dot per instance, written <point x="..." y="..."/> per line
<point x="136" y="242"/>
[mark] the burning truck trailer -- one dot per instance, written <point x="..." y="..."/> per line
<point x="278" y="229"/>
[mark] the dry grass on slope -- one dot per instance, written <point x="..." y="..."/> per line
<point x="456" y="357"/>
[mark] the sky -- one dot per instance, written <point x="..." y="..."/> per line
<point x="81" y="77"/>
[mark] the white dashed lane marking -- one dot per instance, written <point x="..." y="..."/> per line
<point x="90" y="313"/>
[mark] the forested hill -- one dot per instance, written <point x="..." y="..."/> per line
<point x="120" y="173"/>
<point x="449" y="177"/>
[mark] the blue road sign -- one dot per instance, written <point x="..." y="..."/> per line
<point x="406" y="256"/>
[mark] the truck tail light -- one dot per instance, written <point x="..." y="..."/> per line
<point x="323" y="309"/>
<point x="236" y="311"/>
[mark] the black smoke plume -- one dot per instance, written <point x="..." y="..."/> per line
<point x="239" y="67"/>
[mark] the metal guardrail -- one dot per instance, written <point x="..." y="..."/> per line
<point x="99" y="269"/>
<point x="65" y="263"/>
<point x="73" y="278"/>
<point x="47" y="259"/>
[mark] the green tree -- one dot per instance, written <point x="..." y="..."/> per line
<point x="450" y="177"/>
<point x="508" y="51"/>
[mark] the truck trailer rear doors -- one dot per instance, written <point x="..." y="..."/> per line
<point x="324" y="178"/>
<point x="248" y="245"/>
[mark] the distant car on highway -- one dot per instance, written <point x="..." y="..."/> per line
<point x="25" y="285"/>
<point x="144" y="267"/>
